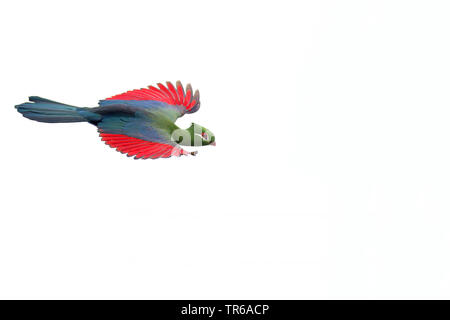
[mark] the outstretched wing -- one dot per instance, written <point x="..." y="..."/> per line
<point x="141" y="149"/>
<point x="177" y="99"/>
<point x="137" y="122"/>
<point x="139" y="137"/>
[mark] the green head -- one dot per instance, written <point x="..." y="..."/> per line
<point x="194" y="136"/>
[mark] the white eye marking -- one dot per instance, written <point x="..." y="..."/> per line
<point x="205" y="136"/>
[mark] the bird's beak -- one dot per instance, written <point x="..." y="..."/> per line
<point x="213" y="144"/>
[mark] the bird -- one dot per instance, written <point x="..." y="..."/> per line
<point x="139" y="123"/>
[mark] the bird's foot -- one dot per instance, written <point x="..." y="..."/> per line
<point x="193" y="153"/>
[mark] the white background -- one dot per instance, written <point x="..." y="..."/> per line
<point x="330" y="178"/>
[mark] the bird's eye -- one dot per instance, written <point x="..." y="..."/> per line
<point x="205" y="136"/>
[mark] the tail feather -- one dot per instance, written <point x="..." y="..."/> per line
<point x="39" y="99"/>
<point x="44" y="110"/>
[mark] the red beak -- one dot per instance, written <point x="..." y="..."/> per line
<point x="213" y="143"/>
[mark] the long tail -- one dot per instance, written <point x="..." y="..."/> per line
<point x="44" y="110"/>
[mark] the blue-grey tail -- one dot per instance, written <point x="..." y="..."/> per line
<point x="44" y="110"/>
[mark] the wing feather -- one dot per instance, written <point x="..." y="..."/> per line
<point x="141" y="149"/>
<point x="169" y="94"/>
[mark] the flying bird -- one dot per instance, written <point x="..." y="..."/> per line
<point x="139" y="123"/>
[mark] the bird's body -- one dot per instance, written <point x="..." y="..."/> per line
<point x="140" y="123"/>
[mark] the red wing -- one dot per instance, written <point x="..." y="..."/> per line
<point x="170" y="95"/>
<point x="141" y="149"/>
